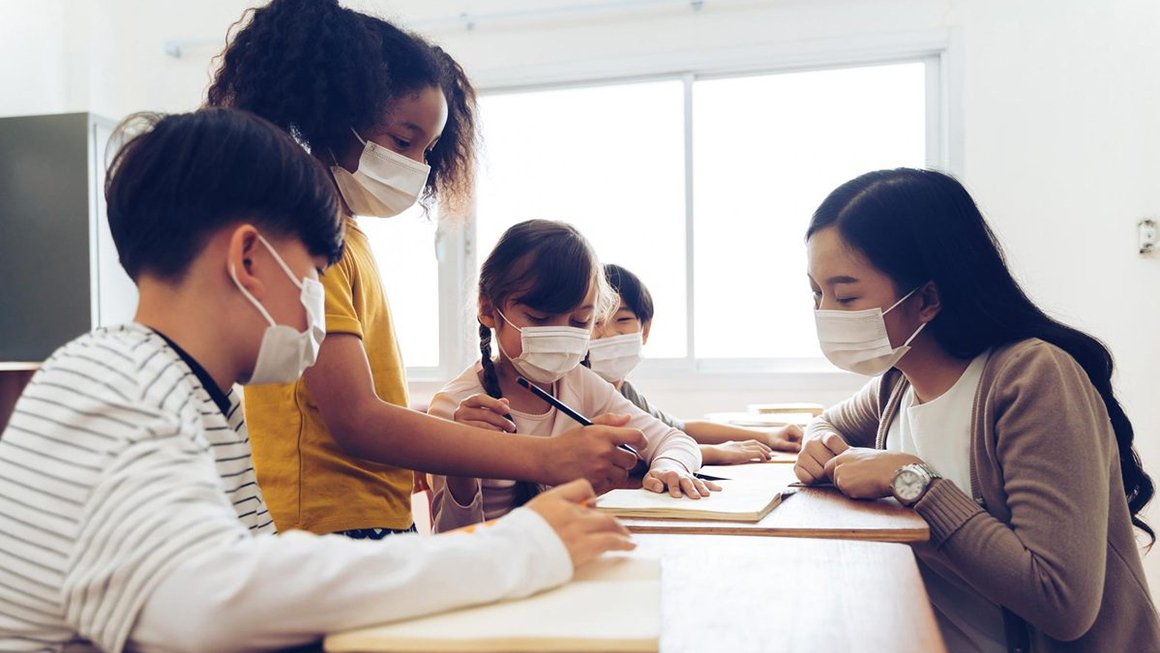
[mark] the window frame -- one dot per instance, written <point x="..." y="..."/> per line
<point x="456" y="244"/>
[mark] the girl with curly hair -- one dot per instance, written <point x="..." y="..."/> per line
<point x="393" y="118"/>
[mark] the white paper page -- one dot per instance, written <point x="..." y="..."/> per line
<point x="613" y="603"/>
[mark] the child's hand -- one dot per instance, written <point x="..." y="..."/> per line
<point x="590" y="452"/>
<point x="786" y="438"/>
<point x="735" y="452"/>
<point x="585" y="532"/>
<point x="670" y="474"/>
<point x="486" y="412"/>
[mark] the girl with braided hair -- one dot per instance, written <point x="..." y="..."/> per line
<point x="541" y="290"/>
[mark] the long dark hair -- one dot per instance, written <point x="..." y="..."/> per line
<point x="921" y="225"/>
<point x="316" y="70"/>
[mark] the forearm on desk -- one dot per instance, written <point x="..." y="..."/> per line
<point x="706" y="432"/>
<point x="275" y="591"/>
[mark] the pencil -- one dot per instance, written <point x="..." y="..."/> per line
<point x="566" y="409"/>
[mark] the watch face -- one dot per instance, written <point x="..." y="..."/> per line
<point x="908" y="485"/>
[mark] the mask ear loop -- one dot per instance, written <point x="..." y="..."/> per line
<point x="904" y="298"/>
<point x="498" y="344"/>
<point x="920" y="327"/>
<point x="281" y="262"/>
<point x="249" y="296"/>
<point x="361" y="140"/>
<point x="914" y="335"/>
<point x="508" y="321"/>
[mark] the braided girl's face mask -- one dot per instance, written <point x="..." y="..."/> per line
<point x="548" y="352"/>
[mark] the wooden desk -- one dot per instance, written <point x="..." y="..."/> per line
<point x="742" y="594"/>
<point x="767" y="594"/>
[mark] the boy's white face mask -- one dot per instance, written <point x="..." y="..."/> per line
<point x="385" y="184"/>
<point x="549" y="352"/>
<point x="857" y="341"/>
<point x="285" y="353"/>
<point x="614" y="357"/>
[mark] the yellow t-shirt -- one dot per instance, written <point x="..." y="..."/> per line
<point x="307" y="480"/>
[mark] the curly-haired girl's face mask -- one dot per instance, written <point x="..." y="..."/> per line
<point x="385" y="184"/>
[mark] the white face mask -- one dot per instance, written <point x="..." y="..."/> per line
<point x="285" y="353"/>
<point x="549" y="352"/>
<point x="385" y="184"/>
<point x="614" y="357"/>
<point x="856" y="341"/>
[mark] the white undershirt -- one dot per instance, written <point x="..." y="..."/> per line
<point x="939" y="432"/>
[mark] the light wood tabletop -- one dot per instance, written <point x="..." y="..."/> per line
<point x="768" y="594"/>
<point x="819" y="512"/>
<point x="743" y="594"/>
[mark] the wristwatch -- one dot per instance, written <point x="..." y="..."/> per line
<point x="911" y="482"/>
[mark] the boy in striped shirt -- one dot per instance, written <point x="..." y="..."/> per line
<point x="130" y="517"/>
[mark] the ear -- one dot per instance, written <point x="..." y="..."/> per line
<point x="931" y="303"/>
<point x="644" y="329"/>
<point x="486" y="313"/>
<point x="243" y="242"/>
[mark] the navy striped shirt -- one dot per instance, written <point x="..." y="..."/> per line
<point x="87" y="470"/>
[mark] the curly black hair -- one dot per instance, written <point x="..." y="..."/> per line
<point x="317" y="69"/>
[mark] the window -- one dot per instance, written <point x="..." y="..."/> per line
<point x="766" y="152"/>
<point x="609" y="160"/>
<point x="404" y="249"/>
<point x="703" y="186"/>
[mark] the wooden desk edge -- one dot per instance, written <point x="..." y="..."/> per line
<point x="671" y="527"/>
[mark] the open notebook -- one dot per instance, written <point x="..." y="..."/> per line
<point x="746" y="500"/>
<point x="612" y="604"/>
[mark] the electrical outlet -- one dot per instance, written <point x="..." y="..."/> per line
<point x="1146" y="235"/>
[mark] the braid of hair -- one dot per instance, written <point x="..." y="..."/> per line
<point x="490" y="379"/>
<point x="524" y="490"/>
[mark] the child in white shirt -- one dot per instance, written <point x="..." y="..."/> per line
<point x="130" y="517"/>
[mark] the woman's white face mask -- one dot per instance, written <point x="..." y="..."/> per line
<point x="857" y="341"/>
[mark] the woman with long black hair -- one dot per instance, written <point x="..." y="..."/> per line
<point x="997" y="423"/>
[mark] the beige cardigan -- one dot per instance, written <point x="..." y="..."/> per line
<point x="1046" y="531"/>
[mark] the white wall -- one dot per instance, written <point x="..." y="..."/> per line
<point x="1059" y="122"/>
<point x="32" y="65"/>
